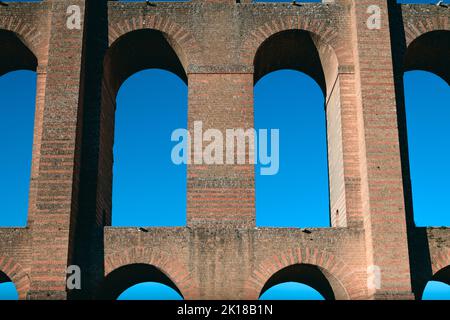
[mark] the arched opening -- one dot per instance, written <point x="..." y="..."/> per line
<point x="429" y="52"/>
<point x="293" y="103"/>
<point x="314" y="280"/>
<point x="150" y="291"/>
<point x="291" y="291"/>
<point x="297" y="91"/>
<point x="427" y="92"/>
<point x="144" y="78"/>
<point x="140" y="50"/>
<point x="144" y="282"/>
<point x="7" y="288"/>
<point x="292" y="49"/>
<point x="18" y="94"/>
<point x="427" y="114"/>
<point x="150" y="105"/>
<point x="438" y="288"/>
<point x="15" y="55"/>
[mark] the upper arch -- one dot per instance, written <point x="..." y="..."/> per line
<point x="440" y="271"/>
<point x="430" y="52"/>
<point x="322" y="42"/>
<point x="182" y="40"/>
<point x="15" y="54"/>
<point x="418" y="27"/>
<point x="325" y="37"/>
<point x="29" y="35"/>
<point x="142" y="49"/>
<point x="326" y="33"/>
<point x="297" y="50"/>
<point x="440" y="260"/>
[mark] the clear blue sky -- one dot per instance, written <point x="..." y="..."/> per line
<point x="152" y="103"/>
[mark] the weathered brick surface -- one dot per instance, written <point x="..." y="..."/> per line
<point x="220" y="49"/>
<point x="15" y="258"/>
<point x="235" y="263"/>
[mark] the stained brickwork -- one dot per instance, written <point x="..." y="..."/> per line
<point x="221" y="49"/>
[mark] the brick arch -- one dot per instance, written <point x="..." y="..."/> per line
<point x="181" y="38"/>
<point x="429" y="52"/>
<point x="326" y="33"/>
<point x="334" y="269"/>
<point x="440" y="270"/>
<point x="15" y="272"/>
<point x="26" y="32"/>
<point x="440" y="260"/>
<point x="168" y="264"/>
<point x="418" y="27"/>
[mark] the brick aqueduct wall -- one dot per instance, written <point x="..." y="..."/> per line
<point x="221" y="48"/>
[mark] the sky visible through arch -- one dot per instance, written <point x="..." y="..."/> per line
<point x="153" y="103"/>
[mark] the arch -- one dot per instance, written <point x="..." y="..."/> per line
<point x="127" y="276"/>
<point x="430" y="52"/>
<point x="307" y="274"/>
<point x="440" y="260"/>
<point x="298" y="50"/>
<point x="439" y="271"/>
<point x="29" y="35"/>
<point x="443" y="275"/>
<point x="326" y="38"/>
<point x="183" y="42"/>
<point x="316" y="268"/>
<point x="139" y="50"/>
<point x="148" y="266"/>
<point x="440" y="274"/>
<point x="12" y="271"/>
<point x="8" y="292"/>
<point x="418" y="26"/>
<point x="14" y="54"/>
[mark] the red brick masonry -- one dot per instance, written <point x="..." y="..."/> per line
<point x="220" y="49"/>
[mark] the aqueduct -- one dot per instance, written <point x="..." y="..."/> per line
<point x="220" y="48"/>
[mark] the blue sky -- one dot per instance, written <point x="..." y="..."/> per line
<point x="152" y="103"/>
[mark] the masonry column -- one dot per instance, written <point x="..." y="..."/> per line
<point x="57" y="180"/>
<point x="382" y="187"/>
<point x="221" y="194"/>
